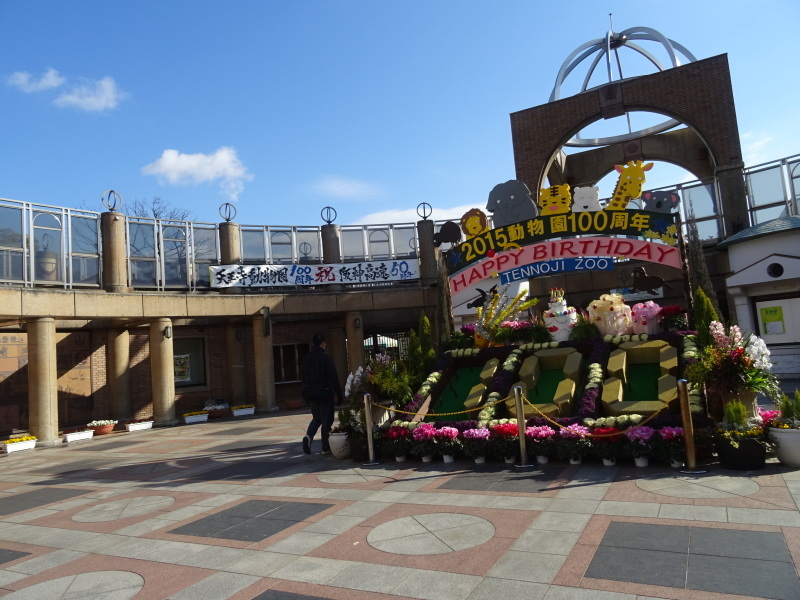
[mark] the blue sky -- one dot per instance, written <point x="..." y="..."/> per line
<point x="368" y="106"/>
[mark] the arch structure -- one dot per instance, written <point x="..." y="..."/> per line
<point x="698" y="94"/>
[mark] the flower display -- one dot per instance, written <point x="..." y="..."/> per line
<point x="644" y="316"/>
<point x="243" y="406"/>
<point x="396" y="440"/>
<point x="26" y="438"/>
<point x="196" y="412"/>
<point x="101" y="423"/>
<point x="131" y="422"/>
<point x="731" y="365"/>
<point x="673" y="318"/>
<point x="606" y="442"/>
<point x="496" y="310"/>
<point x="573" y="442"/>
<point x="447" y="440"/>
<point x="423" y="440"/>
<point x="540" y="439"/>
<point x="610" y="314"/>
<point x="639" y="441"/>
<point x="669" y="444"/>
<point x="787" y="416"/>
<point x="504" y="440"/>
<point x="475" y="442"/>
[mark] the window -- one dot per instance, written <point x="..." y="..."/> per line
<point x="189" y="358"/>
<point x="287" y="359"/>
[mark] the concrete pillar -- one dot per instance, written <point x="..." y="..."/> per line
<point x="119" y="373"/>
<point x="115" y="264"/>
<point x="337" y="348"/>
<point x="266" y="400"/>
<point x="162" y="373"/>
<point x="230" y="247"/>
<point x="331" y="244"/>
<point x="354" y="329"/>
<point x="42" y="381"/>
<point x="428" y="255"/>
<point x="237" y="374"/>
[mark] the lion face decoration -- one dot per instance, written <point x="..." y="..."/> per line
<point x="555" y="200"/>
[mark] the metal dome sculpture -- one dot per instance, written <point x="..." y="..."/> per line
<point x="603" y="49"/>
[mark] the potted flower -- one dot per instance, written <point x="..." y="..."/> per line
<point x="397" y="442"/>
<point x="475" y="443"/>
<point x="348" y="437"/>
<point x="76" y="435"/>
<point x="423" y="442"/>
<point x="733" y="367"/>
<point x="607" y="443"/>
<point x="216" y="409"/>
<point x="540" y="440"/>
<point x="102" y="427"/>
<point x="669" y="445"/>
<point x="243" y="410"/>
<point x="673" y="318"/>
<point x="27" y="442"/>
<point x="639" y="444"/>
<point x="447" y="442"/>
<point x="504" y="441"/>
<point x="740" y="441"/>
<point x="197" y="416"/>
<point x="785" y="429"/>
<point x="573" y="443"/>
<point x="139" y="424"/>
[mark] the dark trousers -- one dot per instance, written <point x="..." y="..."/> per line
<point x="321" y="416"/>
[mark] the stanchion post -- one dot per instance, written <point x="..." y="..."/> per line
<point x="688" y="429"/>
<point x="523" y="449"/>
<point x="368" y="425"/>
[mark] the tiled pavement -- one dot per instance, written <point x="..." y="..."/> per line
<point x="234" y="509"/>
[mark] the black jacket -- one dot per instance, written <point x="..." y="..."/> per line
<point x="320" y="380"/>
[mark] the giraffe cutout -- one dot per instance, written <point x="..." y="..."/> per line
<point x="629" y="185"/>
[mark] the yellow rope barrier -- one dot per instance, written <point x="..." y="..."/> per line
<point x="430" y="414"/>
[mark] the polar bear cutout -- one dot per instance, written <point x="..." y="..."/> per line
<point x="586" y="199"/>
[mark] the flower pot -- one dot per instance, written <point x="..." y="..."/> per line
<point x="749" y="456"/>
<point x="103" y="429"/>
<point x="19" y="446"/>
<point x="641" y="461"/>
<point x="788" y="441"/>
<point x="575" y="461"/>
<point x="195" y="419"/>
<point x="217" y="413"/>
<point x="139" y="426"/>
<point x="675" y="463"/>
<point x="427" y="458"/>
<point x="340" y="447"/>
<point x="78" y="436"/>
<point x="401" y="458"/>
<point x="243" y="412"/>
<point x="609" y="462"/>
<point x="479" y="460"/>
<point x="510" y="460"/>
<point x="448" y="458"/>
<point x="542" y="460"/>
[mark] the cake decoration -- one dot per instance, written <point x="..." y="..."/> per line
<point x="559" y="318"/>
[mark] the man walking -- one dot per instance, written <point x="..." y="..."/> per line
<point x="320" y="383"/>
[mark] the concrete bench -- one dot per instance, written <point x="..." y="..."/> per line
<point x="614" y="405"/>
<point x="554" y="358"/>
<point x="475" y="396"/>
<point x="487" y="373"/>
<point x="643" y="352"/>
<point x="668" y="360"/>
<point x="551" y="410"/>
<point x="617" y="365"/>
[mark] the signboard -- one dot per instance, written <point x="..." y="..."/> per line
<point x="629" y="295"/>
<point x="556" y="266"/>
<point x="256" y="276"/>
<point x="772" y="320"/>
<point x="638" y="223"/>
<point x="568" y="248"/>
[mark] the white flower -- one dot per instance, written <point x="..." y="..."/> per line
<point x="757" y="350"/>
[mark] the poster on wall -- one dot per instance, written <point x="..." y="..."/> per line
<point x="255" y="276"/>
<point x="772" y="318"/>
<point x="183" y="371"/>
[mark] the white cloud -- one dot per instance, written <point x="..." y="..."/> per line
<point x="27" y="83"/>
<point x="93" y="96"/>
<point x="410" y="215"/>
<point x="342" y="187"/>
<point x="754" y="148"/>
<point x="176" y="168"/>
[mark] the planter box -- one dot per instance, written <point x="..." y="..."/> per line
<point x="243" y="412"/>
<point x="78" y="436"/>
<point x="195" y="419"/>
<point x="139" y="426"/>
<point x="18" y="446"/>
<point x="750" y="455"/>
<point x="217" y="413"/>
<point x="788" y="450"/>
<point x="103" y="429"/>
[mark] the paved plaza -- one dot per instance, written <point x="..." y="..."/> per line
<point x="234" y="509"/>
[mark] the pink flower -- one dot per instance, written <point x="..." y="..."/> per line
<point x="640" y="435"/>
<point x="424" y="431"/>
<point x="539" y="433"/>
<point x="447" y="433"/>
<point x="574" y="431"/>
<point x="671" y="433"/>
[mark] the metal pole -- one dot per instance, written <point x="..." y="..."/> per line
<point x="688" y="429"/>
<point x="368" y="425"/>
<point x="523" y="449"/>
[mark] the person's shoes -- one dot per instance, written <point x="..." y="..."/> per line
<point x="306" y="444"/>
<point x="326" y="451"/>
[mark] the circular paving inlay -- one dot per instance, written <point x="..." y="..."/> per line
<point x="435" y="533"/>
<point x="119" y="585"/>
<point x="355" y="475"/>
<point x="698" y="486"/>
<point x="123" y="509"/>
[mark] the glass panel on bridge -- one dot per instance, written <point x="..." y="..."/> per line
<point x="766" y="187"/>
<point x="253" y="251"/>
